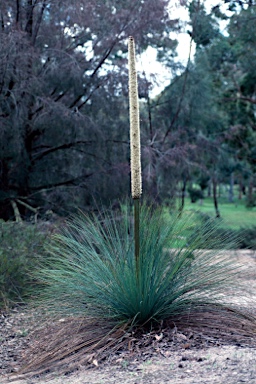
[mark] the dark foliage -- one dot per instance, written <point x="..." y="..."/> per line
<point x="195" y="194"/>
<point x="21" y="246"/>
<point x="63" y="99"/>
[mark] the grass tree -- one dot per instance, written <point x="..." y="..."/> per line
<point x="136" y="183"/>
<point x="112" y="275"/>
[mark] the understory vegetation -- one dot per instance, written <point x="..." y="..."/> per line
<point x="22" y="247"/>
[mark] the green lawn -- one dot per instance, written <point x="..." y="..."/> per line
<point x="234" y="215"/>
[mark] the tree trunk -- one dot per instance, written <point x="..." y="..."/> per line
<point x="17" y="12"/>
<point x="215" y="199"/>
<point x="5" y="205"/>
<point x="250" y="200"/>
<point x="240" y="193"/>
<point x="209" y="189"/>
<point x="231" y="188"/>
<point x="183" y="190"/>
<point x="29" y="14"/>
<point x="219" y="190"/>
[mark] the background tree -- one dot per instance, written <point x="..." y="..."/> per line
<point x="63" y="87"/>
<point x="216" y="93"/>
<point x="63" y="103"/>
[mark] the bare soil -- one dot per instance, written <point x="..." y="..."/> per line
<point x="176" y="356"/>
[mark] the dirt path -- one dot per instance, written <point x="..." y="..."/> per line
<point x="218" y="365"/>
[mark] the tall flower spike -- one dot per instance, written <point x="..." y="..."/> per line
<point x="136" y="184"/>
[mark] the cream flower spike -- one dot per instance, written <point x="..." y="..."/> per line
<point x="136" y="183"/>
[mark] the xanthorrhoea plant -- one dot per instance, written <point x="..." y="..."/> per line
<point x="136" y="184"/>
<point x="92" y="271"/>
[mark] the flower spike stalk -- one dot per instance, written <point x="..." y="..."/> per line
<point x="136" y="184"/>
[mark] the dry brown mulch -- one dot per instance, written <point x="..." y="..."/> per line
<point x="16" y="327"/>
<point x="22" y="329"/>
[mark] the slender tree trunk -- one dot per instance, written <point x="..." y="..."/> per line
<point x="215" y="199"/>
<point x="209" y="189"/>
<point x="240" y="193"/>
<point x="231" y="188"/>
<point x="17" y="12"/>
<point x="250" y="201"/>
<point x="38" y="22"/>
<point x="29" y="14"/>
<point x="183" y="191"/>
<point x="5" y="207"/>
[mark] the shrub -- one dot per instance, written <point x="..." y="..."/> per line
<point x="251" y="201"/>
<point x="195" y="194"/>
<point x="20" y="247"/>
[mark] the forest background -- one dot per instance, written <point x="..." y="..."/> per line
<point x="64" y="129"/>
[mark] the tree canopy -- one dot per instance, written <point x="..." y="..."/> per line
<point x="64" y="105"/>
<point x="63" y="91"/>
